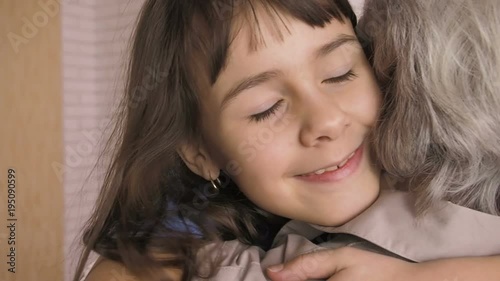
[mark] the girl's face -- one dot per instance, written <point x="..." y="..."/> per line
<point x="283" y="119"/>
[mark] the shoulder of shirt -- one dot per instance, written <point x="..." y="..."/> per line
<point x="108" y="270"/>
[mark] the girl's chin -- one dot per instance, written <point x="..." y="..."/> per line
<point x="338" y="221"/>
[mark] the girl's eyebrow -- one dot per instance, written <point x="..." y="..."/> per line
<point x="335" y="44"/>
<point x="248" y="83"/>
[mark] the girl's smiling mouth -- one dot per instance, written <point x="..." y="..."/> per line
<point x="336" y="172"/>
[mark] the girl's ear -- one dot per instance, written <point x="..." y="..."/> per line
<point x="197" y="159"/>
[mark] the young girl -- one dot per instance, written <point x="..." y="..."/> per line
<point x="276" y="94"/>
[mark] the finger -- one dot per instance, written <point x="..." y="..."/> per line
<point x="320" y="264"/>
<point x="342" y="275"/>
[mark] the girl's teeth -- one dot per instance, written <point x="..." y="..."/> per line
<point x="319" y="172"/>
<point x="332" y="168"/>
<point x="343" y="163"/>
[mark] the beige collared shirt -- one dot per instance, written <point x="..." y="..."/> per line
<point x="389" y="226"/>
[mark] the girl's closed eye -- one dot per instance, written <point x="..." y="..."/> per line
<point x="348" y="76"/>
<point x="267" y="113"/>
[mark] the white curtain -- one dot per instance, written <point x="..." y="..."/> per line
<point x="95" y="34"/>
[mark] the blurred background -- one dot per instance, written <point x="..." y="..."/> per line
<point x="61" y="71"/>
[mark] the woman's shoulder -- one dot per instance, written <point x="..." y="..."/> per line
<point x="109" y="270"/>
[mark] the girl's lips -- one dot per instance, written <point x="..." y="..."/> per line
<point x="332" y="176"/>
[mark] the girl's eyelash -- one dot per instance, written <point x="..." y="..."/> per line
<point x="346" y="77"/>
<point x="266" y="114"/>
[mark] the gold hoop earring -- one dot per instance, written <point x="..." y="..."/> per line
<point x="216" y="184"/>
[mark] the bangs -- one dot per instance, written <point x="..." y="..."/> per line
<point x="215" y="24"/>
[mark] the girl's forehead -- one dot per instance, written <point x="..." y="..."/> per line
<point x="261" y="21"/>
<point x="301" y="47"/>
<point x="259" y="28"/>
<point x="289" y="33"/>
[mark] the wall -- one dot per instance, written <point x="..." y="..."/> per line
<point x="357" y="6"/>
<point x="31" y="140"/>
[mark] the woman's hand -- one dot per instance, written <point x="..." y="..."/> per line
<point x="345" y="264"/>
<point x="350" y="264"/>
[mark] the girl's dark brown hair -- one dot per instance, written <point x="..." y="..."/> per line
<point x="179" y="48"/>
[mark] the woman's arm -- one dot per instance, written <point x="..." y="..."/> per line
<point x="462" y="269"/>
<point x="348" y="264"/>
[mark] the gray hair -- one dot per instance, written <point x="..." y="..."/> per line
<point x="438" y="64"/>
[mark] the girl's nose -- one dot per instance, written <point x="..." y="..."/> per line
<point x="323" y="121"/>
